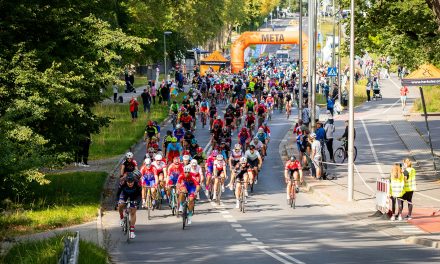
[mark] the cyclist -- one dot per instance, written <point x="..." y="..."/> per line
<point x="234" y="159"/>
<point x="209" y="169"/>
<point x="254" y="159"/>
<point x="344" y="136"/>
<point x="185" y="102"/>
<point x="187" y="184"/>
<point x="266" y="130"/>
<point x="186" y="120"/>
<point x="250" y="104"/>
<point x="129" y="189"/>
<point x="149" y="179"/>
<point x="262" y="137"/>
<point x="200" y="157"/>
<point x="187" y="139"/>
<point x="244" y="138"/>
<point x="185" y="159"/>
<point x="153" y="144"/>
<point x="292" y="170"/>
<point x="174" y="110"/>
<point x="204" y="110"/>
<point x="174" y="149"/>
<point x="192" y="111"/>
<point x="174" y="171"/>
<point x="179" y="132"/>
<point x="150" y="132"/>
<point x="218" y="121"/>
<point x="229" y="117"/>
<point x="269" y="102"/>
<point x="129" y="165"/>
<point x="219" y="174"/>
<point x="167" y="140"/>
<point x="197" y="173"/>
<point x="241" y="171"/>
<point x="288" y="99"/>
<point x="161" y="167"/>
<point x="250" y="121"/>
<point x="193" y="147"/>
<point x="212" y="115"/>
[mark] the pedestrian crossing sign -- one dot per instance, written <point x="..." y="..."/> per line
<point x="332" y="72"/>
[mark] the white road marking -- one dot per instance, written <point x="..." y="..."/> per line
<point x="426" y="196"/>
<point x="288" y="257"/>
<point x="251" y="239"/>
<point x="373" y="151"/>
<point x="231" y="220"/>
<point x="257" y="243"/>
<point x="274" y="256"/>
<point x="240" y="230"/>
<point x="236" y="225"/>
<point x="246" y="235"/>
<point x="227" y="216"/>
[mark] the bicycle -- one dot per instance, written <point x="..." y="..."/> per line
<point x="149" y="201"/>
<point x="185" y="211"/>
<point x="242" y="198"/>
<point x="174" y="120"/>
<point x="173" y="200"/>
<point x="127" y="220"/>
<point x="203" y="119"/>
<point x="294" y="189"/>
<point x="341" y="153"/>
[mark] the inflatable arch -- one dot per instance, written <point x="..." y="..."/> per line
<point x="264" y="37"/>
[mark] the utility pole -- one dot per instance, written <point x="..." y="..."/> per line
<point x="165" y="52"/>
<point x="350" y="182"/>
<point x="314" y="26"/>
<point x="339" y="56"/>
<point x="334" y="37"/>
<point x="310" y="53"/>
<point x="300" y="105"/>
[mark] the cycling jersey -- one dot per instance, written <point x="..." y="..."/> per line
<point x="159" y="165"/>
<point x="293" y="165"/>
<point x="262" y="137"/>
<point x="174" y="108"/>
<point x="210" y="164"/>
<point x="218" y="122"/>
<point x="189" y="182"/>
<point x="250" y="105"/>
<point x="240" y="102"/>
<point x="126" y="192"/>
<point x="266" y="130"/>
<point x="151" y="131"/>
<point x="196" y="173"/>
<point x="179" y="133"/>
<point x="252" y="156"/>
<point x="250" y="120"/>
<point x="148" y="175"/>
<point x="129" y="166"/>
<point x="219" y="164"/>
<point x="261" y="110"/>
<point x="174" y="172"/>
<point x="200" y="158"/>
<point x="212" y="112"/>
<point x="236" y="155"/>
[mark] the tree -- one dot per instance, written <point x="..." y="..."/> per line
<point x="56" y="58"/>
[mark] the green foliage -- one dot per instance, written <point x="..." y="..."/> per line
<point x="406" y="30"/>
<point x="49" y="250"/>
<point x="432" y="100"/>
<point x="69" y="198"/>
<point x="55" y="58"/>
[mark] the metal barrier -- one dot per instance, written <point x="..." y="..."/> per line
<point x="71" y="250"/>
<point x="382" y="195"/>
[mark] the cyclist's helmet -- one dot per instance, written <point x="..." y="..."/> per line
<point x="193" y="162"/>
<point x="173" y="140"/>
<point x="147" y="161"/>
<point x="137" y="174"/>
<point x="193" y="141"/>
<point x="262" y="102"/>
<point x="312" y="135"/>
<point x="158" y="157"/>
<point x="237" y="147"/>
<point x="251" y="146"/>
<point x="256" y="139"/>
<point x="129" y="155"/>
<point x="219" y="117"/>
<point x="184" y="98"/>
<point x="249" y="112"/>
<point x="199" y="150"/>
<point x="293" y="158"/>
<point x="151" y="150"/>
<point x="243" y="129"/>
<point x="243" y="160"/>
<point x="260" y="130"/>
<point x="219" y="157"/>
<point x="214" y="152"/>
<point x="150" y="123"/>
<point x="185" y="157"/>
<point x="130" y="177"/>
<point x="178" y="126"/>
<point x="187" y="169"/>
<point x="269" y="95"/>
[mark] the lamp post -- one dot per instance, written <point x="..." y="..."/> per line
<point x="350" y="182"/>
<point x="300" y="105"/>
<point x="165" y="52"/>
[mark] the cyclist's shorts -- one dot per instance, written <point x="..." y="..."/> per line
<point x="253" y="163"/>
<point x="147" y="182"/>
<point x="234" y="162"/>
<point x="123" y="198"/>
<point x="240" y="175"/>
<point x="191" y="190"/>
<point x="291" y="172"/>
<point x="173" y="179"/>
<point x="219" y="172"/>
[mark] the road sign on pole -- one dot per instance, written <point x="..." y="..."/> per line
<point x="332" y="72"/>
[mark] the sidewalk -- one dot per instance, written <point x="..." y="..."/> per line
<point x="383" y="137"/>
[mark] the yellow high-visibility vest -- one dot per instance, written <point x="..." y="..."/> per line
<point x="397" y="186"/>
<point x="410" y="183"/>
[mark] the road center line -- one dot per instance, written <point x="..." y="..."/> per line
<point x="373" y="151"/>
<point x="297" y="261"/>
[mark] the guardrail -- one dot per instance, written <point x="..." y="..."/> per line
<point x="71" y="250"/>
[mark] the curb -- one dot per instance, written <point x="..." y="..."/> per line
<point x="423" y="241"/>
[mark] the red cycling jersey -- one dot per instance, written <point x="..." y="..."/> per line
<point x="293" y="165"/>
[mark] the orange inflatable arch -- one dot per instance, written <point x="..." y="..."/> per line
<point x="264" y="37"/>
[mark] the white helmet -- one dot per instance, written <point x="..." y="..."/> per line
<point x="158" y="157"/>
<point x="243" y="160"/>
<point x="187" y="168"/>
<point x="147" y="161"/>
<point x="194" y="162"/>
<point x="219" y="157"/>
<point x="129" y="155"/>
<point x="178" y="126"/>
<point x="185" y="157"/>
<point x="237" y="147"/>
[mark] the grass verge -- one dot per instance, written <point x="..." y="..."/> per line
<point x="122" y="133"/>
<point x="432" y="100"/>
<point x="69" y="199"/>
<point x="49" y="250"/>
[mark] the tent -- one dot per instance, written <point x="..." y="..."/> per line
<point x="215" y="61"/>
<point x="425" y="75"/>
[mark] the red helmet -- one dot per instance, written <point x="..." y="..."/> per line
<point x="185" y="152"/>
<point x="243" y="129"/>
<point x="199" y="150"/>
<point x="150" y="123"/>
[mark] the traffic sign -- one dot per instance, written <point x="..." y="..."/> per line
<point x="332" y="72"/>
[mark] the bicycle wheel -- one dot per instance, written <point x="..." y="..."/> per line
<point x="184" y="214"/>
<point x="219" y="192"/>
<point x="339" y="155"/>
<point x="149" y="205"/>
<point x="242" y="198"/>
<point x="127" y="225"/>
<point x="124" y="224"/>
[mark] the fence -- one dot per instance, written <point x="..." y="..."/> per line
<point x="382" y="195"/>
<point x="71" y="250"/>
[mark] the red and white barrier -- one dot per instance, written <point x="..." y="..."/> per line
<point x="382" y="194"/>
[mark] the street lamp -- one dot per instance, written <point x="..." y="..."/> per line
<point x="165" y="51"/>
<point x="350" y="182"/>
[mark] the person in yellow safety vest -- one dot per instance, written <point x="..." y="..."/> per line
<point x="410" y="185"/>
<point x="397" y="184"/>
<point x="251" y="86"/>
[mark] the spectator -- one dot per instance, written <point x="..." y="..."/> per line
<point x="306" y="115"/>
<point x="410" y="185"/>
<point x="82" y="151"/>
<point x="331" y="105"/>
<point x="165" y="93"/>
<point x="320" y="132"/>
<point x="329" y="128"/>
<point x="134" y="108"/>
<point x="397" y="183"/>
<point x="153" y="92"/>
<point x="315" y="155"/>
<point x="146" y="100"/>
<point x="115" y="92"/>
<point x="368" y="91"/>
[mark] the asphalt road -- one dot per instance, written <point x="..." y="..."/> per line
<point x="269" y="231"/>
